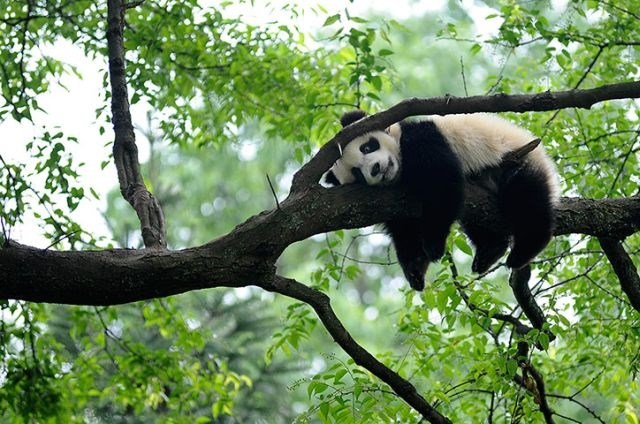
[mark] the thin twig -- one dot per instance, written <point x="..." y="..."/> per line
<point x="464" y="79"/>
<point x="273" y="191"/>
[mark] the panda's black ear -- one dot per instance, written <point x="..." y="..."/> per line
<point x="330" y="178"/>
<point x="351" y="117"/>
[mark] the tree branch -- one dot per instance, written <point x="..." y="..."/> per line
<point x="320" y="302"/>
<point x="532" y="381"/>
<point x="247" y="254"/>
<point x="624" y="268"/>
<point x="125" y="151"/>
<point x="519" y="282"/>
<point x="616" y="218"/>
<point x="311" y="172"/>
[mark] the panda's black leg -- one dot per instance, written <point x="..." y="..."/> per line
<point x="419" y="242"/>
<point x="489" y="246"/>
<point x="525" y="202"/>
<point x="411" y="254"/>
<point x="434" y="240"/>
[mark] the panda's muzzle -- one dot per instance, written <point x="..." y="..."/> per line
<point x="390" y="171"/>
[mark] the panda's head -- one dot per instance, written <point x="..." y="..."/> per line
<point x="372" y="158"/>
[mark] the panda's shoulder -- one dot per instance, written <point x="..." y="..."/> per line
<point x="423" y="131"/>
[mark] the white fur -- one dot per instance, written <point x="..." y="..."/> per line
<point x="388" y="156"/>
<point x="480" y="140"/>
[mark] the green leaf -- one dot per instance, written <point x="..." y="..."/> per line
<point x="324" y="409"/>
<point x="331" y="20"/>
<point x="338" y="377"/>
<point x="543" y="339"/>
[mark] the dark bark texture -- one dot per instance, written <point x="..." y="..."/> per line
<point x="247" y="255"/>
<point x="125" y="151"/>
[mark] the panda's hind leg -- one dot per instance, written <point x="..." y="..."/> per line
<point x="525" y="201"/>
<point x="489" y="246"/>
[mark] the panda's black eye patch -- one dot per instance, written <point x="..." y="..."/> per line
<point x="370" y="146"/>
<point x="358" y="175"/>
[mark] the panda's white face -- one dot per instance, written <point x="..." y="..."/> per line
<point x="372" y="158"/>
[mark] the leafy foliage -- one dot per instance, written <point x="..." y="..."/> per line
<point x="235" y="100"/>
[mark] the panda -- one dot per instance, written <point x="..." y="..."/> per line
<point x="434" y="159"/>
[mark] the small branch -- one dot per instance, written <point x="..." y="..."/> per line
<point x="625" y="158"/>
<point x="464" y="79"/>
<point x="627" y="11"/>
<point x="532" y="381"/>
<point x="492" y="407"/>
<point x="519" y="282"/>
<point x="273" y="191"/>
<point x="518" y="326"/>
<point x="132" y="4"/>
<point x="514" y="158"/>
<point x="624" y="268"/>
<point x="590" y="66"/>
<point x="125" y="151"/>
<point x="321" y="304"/>
<point x="580" y="404"/>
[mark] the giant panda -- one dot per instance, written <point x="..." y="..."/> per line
<point x="434" y="158"/>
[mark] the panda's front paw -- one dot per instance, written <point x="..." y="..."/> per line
<point x="414" y="271"/>
<point x="416" y="282"/>
<point x="434" y="248"/>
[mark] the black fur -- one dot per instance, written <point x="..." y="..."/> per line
<point x="523" y="199"/>
<point x="351" y="117"/>
<point x="330" y="178"/>
<point x="431" y="171"/>
<point x="358" y="175"/>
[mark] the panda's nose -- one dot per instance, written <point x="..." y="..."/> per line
<point x="375" y="170"/>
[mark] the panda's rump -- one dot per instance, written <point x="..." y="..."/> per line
<point x="481" y="140"/>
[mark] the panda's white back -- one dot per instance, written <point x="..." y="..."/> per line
<point x="480" y="140"/>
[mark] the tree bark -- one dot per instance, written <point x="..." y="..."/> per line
<point x="247" y="255"/>
<point x="125" y="151"/>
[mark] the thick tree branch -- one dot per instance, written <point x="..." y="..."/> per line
<point x="624" y="268"/>
<point x="320" y="302"/>
<point x="616" y="218"/>
<point x="313" y="170"/>
<point x="125" y="151"/>
<point x="243" y="257"/>
<point x="247" y="254"/>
